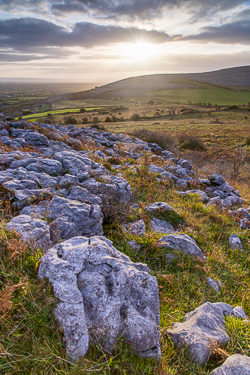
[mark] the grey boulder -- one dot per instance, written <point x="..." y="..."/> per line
<point x="200" y="327"/>
<point x="236" y="364"/>
<point x="182" y="243"/>
<point x="136" y="227"/>
<point x="161" y="226"/>
<point x="103" y="296"/>
<point x="49" y="166"/>
<point x="159" y="207"/>
<point x="235" y="242"/>
<point x="34" y="232"/>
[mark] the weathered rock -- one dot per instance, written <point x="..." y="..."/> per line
<point x="241" y="213"/>
<point x="235" y="242"/>
<point x="49" y="166"/>
<point x="159" y="207"/>
<point x="136" y="228"/>
<point x="134" y="245"/>
<point x="216" y="201"/>
<point x="216" y="179"/>
<point x="200" y="327"/>
<point x="36" y="139"/>
<point x="245" y="224"/>
<point x="240" y="313"/>
<point x="27" y="196"/>
<point x="86" y="219"/>
<point x="161" y="226"/>
<point x="181" y="242"/>
<point x="103" y="296"/>
<point x="231" y="201"/>
<point x="112" y="189"/>
<point x="34" y="232"/>
<point x="67" y="180"/>
<point x="83" y="195"/>
<point x="213" y="284"/>
<point x="236" y="364"/>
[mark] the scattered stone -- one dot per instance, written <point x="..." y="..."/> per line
<point x="137" y="228"/>
<point x="231" y="201"/>
<point x="34" y="232"/>
<point x="235" y="242"/>
<point x="103" y="296"/>
<point x="158" y="207"/>
<point x="183" y="243"/>
<point x="213" y="284"/>
<point x="49" y="166"/>
<point x="200" y="326"/>
<point x="161" y="226"/>
<point x="240" y="313"/>
<point x="216" y="179"/>
<point x="216" y="201"/>
<point x="245" y="224"/>
<point x="134" y="245"/>
<point x="241" y="213"/>
<point x="236" y="364"/>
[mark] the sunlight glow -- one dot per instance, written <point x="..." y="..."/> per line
<point x="139" y="51"/>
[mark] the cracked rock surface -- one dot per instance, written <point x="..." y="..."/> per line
<point x="103" y="296"/>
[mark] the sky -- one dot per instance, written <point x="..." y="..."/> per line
<point x="101" y="41"/>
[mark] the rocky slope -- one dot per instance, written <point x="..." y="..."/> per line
<point x="62" y="195"/>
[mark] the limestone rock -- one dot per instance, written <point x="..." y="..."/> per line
<point x="213" y="284"/>
<point x="134" y="245"/>
<point x="199" y="327"/>
<point x="86" y="218"/>
<point x="232" y="200"/>
<point x="161" y="226"/>
<point x="235" y="242"/>
<point x="34" y="232"/>
<point x="181" y="242"/>
<point x="136" y="227"/>
<point x="49" y="166"/>
<point x="103" y="296"/>
<point x="216" y="179"/>
<point x="159" y="207"/>
<point x="236" y="364"/>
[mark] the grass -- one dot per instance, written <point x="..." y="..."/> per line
<point x="58" y="112"/>
<point x="27" y="303"/>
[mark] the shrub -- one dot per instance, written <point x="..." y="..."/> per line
<point x="190" y="142"/>
<point x="107" y="119"/>
<point x="98" y="127"/>
<point x="135" y="117"/>
<point x="70" y="120"/>
<point x="163" y="139"/>
<point x="82" y="110"/>
<point x="84" y="120"/>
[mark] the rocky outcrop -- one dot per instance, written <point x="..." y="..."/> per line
<point x="34" y="232"/>
<point x="182" y="243"/>
<point x="200" y="328"/>
<point x="103" y="296"/>
<point x="236" y="364"/>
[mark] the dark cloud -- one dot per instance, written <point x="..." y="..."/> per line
<point x="235" y="32"/>
<point x="24" y="33"/>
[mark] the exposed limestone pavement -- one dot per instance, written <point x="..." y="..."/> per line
<point x="62" y="197"/>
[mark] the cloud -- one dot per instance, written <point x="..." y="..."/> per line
<point x="146" y="9"/>
<point x="24" y="33"/>
<point x="234" y="32"/>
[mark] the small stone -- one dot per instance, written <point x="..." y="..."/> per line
<point x="213" y="284"/>
<point x="159" y="207"/>
<point x="136" y="228"/>
<point x="236" y="364"/>
<point x="161" y="226"/>
<point x="239" y="312"/>
<point x="134" y="245"/>
<point x="235" y="242"/>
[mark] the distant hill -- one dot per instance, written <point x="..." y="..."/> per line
<point x="237" y="79"/>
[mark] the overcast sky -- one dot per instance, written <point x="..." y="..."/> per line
<point x="100" y="41"/>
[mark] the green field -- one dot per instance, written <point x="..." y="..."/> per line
<point x="58" y="112"/>
<point x="212" y="94"/>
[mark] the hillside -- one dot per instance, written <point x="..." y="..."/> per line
<point x="143" y="86"/>
<point x="120" y="257"/>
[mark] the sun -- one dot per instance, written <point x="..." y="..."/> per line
<point x="139" y="51"/>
